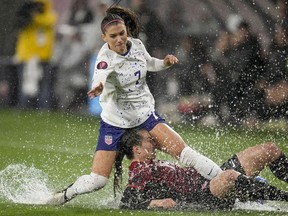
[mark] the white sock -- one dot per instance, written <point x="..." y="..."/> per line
<point x="86" y="184"/>
<point x="206" y="167"/>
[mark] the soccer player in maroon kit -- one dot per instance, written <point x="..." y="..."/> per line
<point x="161" y="184"/>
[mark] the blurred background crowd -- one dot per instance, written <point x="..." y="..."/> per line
<point x="233" y="56"/>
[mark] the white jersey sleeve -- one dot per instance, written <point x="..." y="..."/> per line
<point x="103" y="67"/>
<point x="153" y="64"/>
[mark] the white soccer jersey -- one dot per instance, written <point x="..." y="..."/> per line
<point x="126" y="99"/>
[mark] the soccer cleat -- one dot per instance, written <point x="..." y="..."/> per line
<point x="59" y="198"/>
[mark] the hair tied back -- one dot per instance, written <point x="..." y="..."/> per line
<point x="114" y="4"/>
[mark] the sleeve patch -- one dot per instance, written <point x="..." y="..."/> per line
<point x="102" y="65"/>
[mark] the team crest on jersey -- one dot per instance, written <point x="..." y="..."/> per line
<point x="108" y="139"/>
<point x="102" y="65"/>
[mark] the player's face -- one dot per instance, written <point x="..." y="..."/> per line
<point x="116" y="37"/>
<point x="147" y="146"/>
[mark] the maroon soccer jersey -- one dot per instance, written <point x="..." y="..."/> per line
<point x="180" y="180"/>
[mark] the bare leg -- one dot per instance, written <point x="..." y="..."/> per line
<point x="101" y="168"/>
<point x="168" y="140"/>
<point x="224" y="183"/>
<point x="231" y="183"/>
<point x="171" y="142"/>
<point x="254" y="159"/>
<point x="103" y="162"/>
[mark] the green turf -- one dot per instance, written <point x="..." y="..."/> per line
<point x="62" y="146"/>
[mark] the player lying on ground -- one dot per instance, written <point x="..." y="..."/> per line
<point x="155" y="183"/>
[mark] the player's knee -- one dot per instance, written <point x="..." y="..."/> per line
<point x="229" y="176"/>
<point x="272" y="150"/>
<point x="223" y="183"/>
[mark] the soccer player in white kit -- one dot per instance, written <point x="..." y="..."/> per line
<point x="120" y="81"/>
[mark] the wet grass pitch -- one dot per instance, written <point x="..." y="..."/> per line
<point x="51" y="149"/>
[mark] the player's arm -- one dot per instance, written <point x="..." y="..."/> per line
<point x="155" y="64"/>
<point x="102" y="69"/>
<point x="162" y="203"/>
<point x="170" y="60"/>
<point x="134" y="199"/>
<point x="98" y="87"/>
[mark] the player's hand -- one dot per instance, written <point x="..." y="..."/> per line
<point x="162" y="203"/>
<point x="170" y="60"/>
<point x="96" y="91"/>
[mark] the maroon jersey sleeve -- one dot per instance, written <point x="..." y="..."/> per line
<point x="134" y="199"/>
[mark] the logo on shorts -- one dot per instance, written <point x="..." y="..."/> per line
<point x="108" y="139"/>
<point x="102" y="65"/>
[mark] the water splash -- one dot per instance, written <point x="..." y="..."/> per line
<point x="29" y="185"/>
<point x="272" y="206"/>
<point x="22" y="184"/>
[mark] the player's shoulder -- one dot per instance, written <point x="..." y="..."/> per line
<point x="105" y="54"/>
<point x="104" y="51"/>
<point x="136" y="42"/>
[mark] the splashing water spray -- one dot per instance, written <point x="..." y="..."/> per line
<point x="22" y="184"/>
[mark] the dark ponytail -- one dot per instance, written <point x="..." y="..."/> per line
<point x="129" y="139"/>
<point x="128" y="16"/>
<point x="118" y="173"/>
